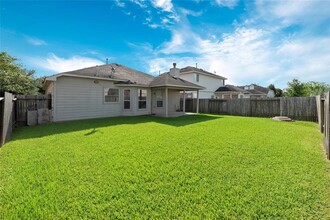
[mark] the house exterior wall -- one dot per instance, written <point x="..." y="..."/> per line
<point x="232" y="95"/>
<point x="157" y="110"/>
<point x="173" y="102"/>
<point x="49" y="89"/>
<point x="210" y="83"/>
<point x="79" y="98"/>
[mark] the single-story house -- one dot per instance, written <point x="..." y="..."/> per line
<point x="238" y="92"/>
<point x="116" y="90"/>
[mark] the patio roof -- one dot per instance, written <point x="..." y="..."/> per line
<point x="167" y="80"/>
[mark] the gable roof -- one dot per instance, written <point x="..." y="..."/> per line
<point x="113" y="71"/>
<point x="168" y="80"/>
<point x="258" y="90"/>
<point x="261" y="89"/>
<point x="230" y="88"/>
<point x="190" y="69"/>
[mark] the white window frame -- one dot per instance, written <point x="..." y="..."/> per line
<point x="196" y="77"/>
<point x="127" y="100"/>
<point x="142" y="100"/>
<point x="159" y="98"/>
<point x="116" y="96"/>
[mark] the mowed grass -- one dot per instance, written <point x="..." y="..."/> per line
<point x="192" y="167"/>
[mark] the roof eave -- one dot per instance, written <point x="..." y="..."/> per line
<point x="178" y="86"/>
<point x="132" y="85"/>
<point x="54" y="77"/>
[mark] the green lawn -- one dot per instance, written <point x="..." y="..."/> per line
<point x="204" y="166"/>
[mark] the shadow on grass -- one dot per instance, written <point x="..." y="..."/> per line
<point x="93" y="124"/>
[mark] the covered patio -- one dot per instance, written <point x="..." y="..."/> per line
<point x="167" y="91"/>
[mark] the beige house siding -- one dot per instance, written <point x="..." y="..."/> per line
<point x="79" y="98"/>
<point x="210" y="83"/>
<point x="157" y="110"/>
<point x="134" y="102"/>
<point x="173" y="102"/>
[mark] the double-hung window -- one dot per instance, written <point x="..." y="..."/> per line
<point x="127" y="99"/>
<point x="111" y="95"/>
<point x="196" y="77"/>
<point x="159" y="98"/>
<point x="142" y="98"/>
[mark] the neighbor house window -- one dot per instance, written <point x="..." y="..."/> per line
<point x="159" y="98"/>
<point x="226" y="96"/>
<point x="111" y="95"/>
<point x="142" y="98"/>
<point x="127" y="99"/>
<point x="196" y="77"/>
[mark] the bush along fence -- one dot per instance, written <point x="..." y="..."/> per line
<point x="323" y="109"/>
<point x="21" y="110"/>
<point x="297" y="108"/>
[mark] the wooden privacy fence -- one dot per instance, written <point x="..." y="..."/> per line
<point x="27" y="108"/>
<point x="298" y="108"/>
<point x="323" y="109"/>
<point x="22" y="110"/>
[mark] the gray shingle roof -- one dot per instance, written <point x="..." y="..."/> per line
<point x="130" y="76"/>
<point x="193" y="69"/>
<point x="167" y="79"/>
<point x="258" y="90"/>
<point x="115" y="71"/>
<point x="230" y="88"/>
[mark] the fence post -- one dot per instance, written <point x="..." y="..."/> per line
<point x="320" y="111"/>
<point x="326" y="127"/>
<point x="2" y="104"/>
<point x="7" y="123"/>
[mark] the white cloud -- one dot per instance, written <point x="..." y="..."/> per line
<point x="227" y="3"/>
<point x="35" y="41"/>
<point x="120" y="3"/>
<point x="141" y="3"/>
<point x="190" y="12"/>
<point x="307" y="59"/>
<point x="247" y="55"/>
<point x="258" y="50"/>
<point x="294" y="12"/>
<point x="245" y="49"/>
<point x="58" y="64"/>
<point x="165" y="5"/>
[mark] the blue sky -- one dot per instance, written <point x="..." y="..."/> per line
<point x="257" y="41"/>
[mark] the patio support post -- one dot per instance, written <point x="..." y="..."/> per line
<point x="166" y="102"/>
<point x="197" y="105"/>
<point x="184" y="102"/>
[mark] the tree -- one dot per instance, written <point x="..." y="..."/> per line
<point x="316" y="88"/>
<point x="277" y="91"/>
<point x="14" y="78"/>
<point x="296" y="88"/>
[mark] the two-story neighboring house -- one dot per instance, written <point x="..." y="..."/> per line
<point x="210" y="81"/>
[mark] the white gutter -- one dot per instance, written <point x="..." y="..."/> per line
<point x="53" y="78"/>
<point x="178" y="86"/>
